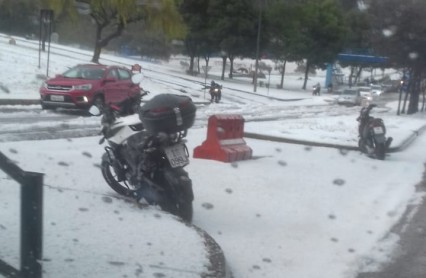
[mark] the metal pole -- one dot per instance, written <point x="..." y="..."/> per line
<point x="39" y="38"/>
<point x="269" y="81"/>
<point x="31" y="225"/>
<point x="205" y="83"/>
<point x="258" y="45"/>
<point x="48" y="48"/>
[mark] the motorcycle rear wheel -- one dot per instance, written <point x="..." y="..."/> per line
<point x="178" y="195"/>
<point x="361" y="146"/>
<point x="380" y="151"/>
<point x="121" y="187"/>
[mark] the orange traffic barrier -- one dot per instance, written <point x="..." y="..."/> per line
<point x="224" y="140"/>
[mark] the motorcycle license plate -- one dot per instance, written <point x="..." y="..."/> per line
<point x="176" y="155"/>
<point x="378" y="130"/>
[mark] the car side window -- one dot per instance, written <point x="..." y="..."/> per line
<point x="112" y="74"/>
<point x="123" y="74"/>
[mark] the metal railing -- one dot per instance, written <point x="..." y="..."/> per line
<point x="31" y="248"/>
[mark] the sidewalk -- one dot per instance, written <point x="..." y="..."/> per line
<point x="90" y="231"/>
<point x="400" y="146"/>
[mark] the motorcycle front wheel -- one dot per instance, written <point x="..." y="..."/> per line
<point x="121" y="187"/>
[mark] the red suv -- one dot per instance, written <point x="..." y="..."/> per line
<point x="88" y="84"/>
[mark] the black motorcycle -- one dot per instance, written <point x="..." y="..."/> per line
<point x="372" y="134"/>
<point x="146" y="151"/>
<point x="316" y="90"/>
<point x="215" y="92"/>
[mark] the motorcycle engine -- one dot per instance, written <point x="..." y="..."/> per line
<point x="132" y="151"/>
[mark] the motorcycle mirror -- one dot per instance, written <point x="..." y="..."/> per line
<point x="94" y="111"/>
<point x="137" y="78"/>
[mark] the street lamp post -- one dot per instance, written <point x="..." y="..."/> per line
<point x="46" y="19"/>
<point x="259" y="25"/>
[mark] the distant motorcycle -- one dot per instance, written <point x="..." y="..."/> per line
<point x="316" y="90"/>
<point x="146" y="151"/>
<point x="215" y="92"/>
<point x="372" y="134"/>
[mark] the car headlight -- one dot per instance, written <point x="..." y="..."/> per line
<point x="83" y="87"/>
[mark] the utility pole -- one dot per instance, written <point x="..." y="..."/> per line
<point x="259" y="25"/>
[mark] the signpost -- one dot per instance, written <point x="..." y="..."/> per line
<point x="46" y="18"/>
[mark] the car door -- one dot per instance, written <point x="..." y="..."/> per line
<point x="111" y="87"/>
<point x="127" y="87"/>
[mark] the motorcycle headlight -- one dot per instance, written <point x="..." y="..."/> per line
<point x="216" y="90"/>
<point x="83" y="87"/>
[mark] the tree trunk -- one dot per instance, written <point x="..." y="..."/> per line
<point x="224" y="58"/>
<point x="102" y="42"/>
<point x="423" y="97"/>
<point x="282" y="74"/>
<point x="306" y="74"/>
<point x="207" y="59"/>
<point x="358" y="75"/>
<point x="413" y="106"/>
<point x="350" y="76"/>
<point x="98" y="47"/>
<point x="96" y="54"/>
<point x="405" y="100"/>
<point x="231" y="70"/>
<point x="191" y="64"/>
<point x="409" y="88"/>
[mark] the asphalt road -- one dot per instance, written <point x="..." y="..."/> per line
<point x="410" y="258"/>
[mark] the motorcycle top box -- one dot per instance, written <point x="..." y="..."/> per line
<point x="168" y="113"/>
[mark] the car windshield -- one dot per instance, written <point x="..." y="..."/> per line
<point x="376" y="87"/>
<point x="84" y="72"/>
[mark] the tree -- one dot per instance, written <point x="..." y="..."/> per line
<point x="112" y="16"/>
<point x="357" y="39"/>
<point x="398" y="29"/>
<point x="18" y="17"/>
<point x="234" y="27"/>
<point x="322" y="33"/>
<point x="196" y="18"/>
<point x="284" y="32"/>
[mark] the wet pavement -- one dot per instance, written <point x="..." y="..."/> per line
<point x="409" y="260"/>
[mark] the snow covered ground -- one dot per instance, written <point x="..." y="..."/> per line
<point x="292" y="211"/>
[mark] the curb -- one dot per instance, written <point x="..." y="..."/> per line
<point x="410" y="139"/>
<point x="37" y="101"/>
<point x="295" y="141"/>
<point x="19" y="101"/>
<point x="218" y="268"/>
<point x="407" y="142"/>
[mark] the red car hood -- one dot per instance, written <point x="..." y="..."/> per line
<point x="70" y="81"/>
